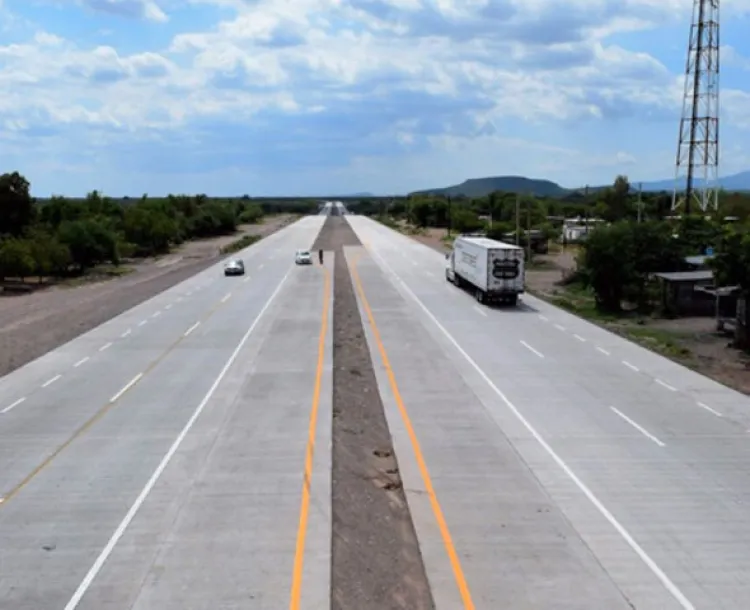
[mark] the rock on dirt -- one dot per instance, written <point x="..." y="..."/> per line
<point x="31" y="324"/>
<point x="376" y="563"/>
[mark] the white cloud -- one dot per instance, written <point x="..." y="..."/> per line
<point x="346" y="84"/>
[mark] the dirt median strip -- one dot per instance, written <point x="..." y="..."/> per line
<point x="376" y="563"/>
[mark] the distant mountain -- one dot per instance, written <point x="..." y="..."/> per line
<point x="479" y="187"/>
<point x="734" y="182"/>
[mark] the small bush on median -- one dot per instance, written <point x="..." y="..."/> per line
<point x="240" y="244"/>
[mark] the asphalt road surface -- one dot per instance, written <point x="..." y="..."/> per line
<point x="162" y="460"/>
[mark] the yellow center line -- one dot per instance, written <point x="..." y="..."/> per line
<point x="299" y="555"/>
<point x="458" y="572"/>
<point x="88" y="424"/>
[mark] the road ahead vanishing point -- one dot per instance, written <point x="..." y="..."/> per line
<point x="180" y="456"/>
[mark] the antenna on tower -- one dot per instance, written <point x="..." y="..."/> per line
<point x="698" y="147"/>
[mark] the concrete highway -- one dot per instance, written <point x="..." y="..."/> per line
<point x="553" y="452"/>
<point x="157" y="462"/>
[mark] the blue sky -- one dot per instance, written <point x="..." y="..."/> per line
<point x="307" y="97"/>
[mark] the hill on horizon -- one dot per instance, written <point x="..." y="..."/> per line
<point x="481" y="187"/>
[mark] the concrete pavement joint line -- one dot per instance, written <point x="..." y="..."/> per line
<point x="637" y="426"/>
<point x="105" y="346"/>
<point x="126" y="387"/>
<point x="12" y="405"/>
<point x="709" y="409"/>
<point x="673" y="589"/>
<point x="107" y="551"/>
<point x="49" y="382"/>
<point x="88" y="424"/>
<point x="450" y="548"/>
<point x="299" y="554"/>
<point x="603" y="351"/>
<point x="479" y="311"/>
<point x="632" y="367"/>
<point x="664" y="384"/>
<point x="83" y="360"/>
<point x="531" y="349"/>
<point x="192" y="328"/>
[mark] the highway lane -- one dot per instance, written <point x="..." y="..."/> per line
<point x="683" y="502"/>
<point x="36" y="421"/>
<point x="73" y="504"/>
<point x="187" y="299"/>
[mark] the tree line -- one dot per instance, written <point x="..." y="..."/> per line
<point x="61" y="236"/>
<point x="640" y="236"/>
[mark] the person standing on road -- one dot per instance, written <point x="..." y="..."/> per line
<point x="320" y="256"/>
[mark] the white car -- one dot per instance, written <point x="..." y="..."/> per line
<point x="302" y="257"/>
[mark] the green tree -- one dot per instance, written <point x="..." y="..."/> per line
<point x="89" y="242"/>
<point x="16" y="259"/>
<point x="16" y="205"/>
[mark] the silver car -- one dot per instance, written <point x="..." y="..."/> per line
<point x="234" y="267"/>
<point x="303" y="257"/>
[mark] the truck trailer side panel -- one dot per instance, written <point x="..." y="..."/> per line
<point x="471" y="262"/>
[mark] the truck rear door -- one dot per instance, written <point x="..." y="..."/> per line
<point x="506" y="270"/>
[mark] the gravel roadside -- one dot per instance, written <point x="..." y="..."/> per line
<point x="376" y="563"/>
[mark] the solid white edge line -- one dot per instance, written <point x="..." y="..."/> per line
<point x="603" y="510"/>
<point x="479" y="311"/>
<point x="664" y="384"/>
<point x="51" y="381"/>
<point x="703" y="405"/>
<point x="638" y="427"/>
<point x="531" y="349"/>
<point x="13" y="405"/>
<point x="126" y="387"/>
<point x="191" y="329"/>
<point x="107" y="551"/>
<point x="80" y="362"/>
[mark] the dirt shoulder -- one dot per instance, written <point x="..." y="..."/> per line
<point x="693" y="342"/>
<point x="33" y="324"/>
<point x="376" y="561"/>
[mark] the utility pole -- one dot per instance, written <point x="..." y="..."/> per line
<point x="640" y="201"/>
<point x="698" y="144"/>
<point x="518" y="218"/>
<point x="528" y="228"/>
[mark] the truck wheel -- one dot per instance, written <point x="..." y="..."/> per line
<point x="479" y="296"/>
<point x="513" y="300"/>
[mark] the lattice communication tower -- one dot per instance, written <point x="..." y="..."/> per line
<point x="697" y="172"/>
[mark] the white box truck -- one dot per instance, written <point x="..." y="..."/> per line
<point x="493" y="270"/>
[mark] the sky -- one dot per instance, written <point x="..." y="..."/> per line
<point x="326" y="97"/>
